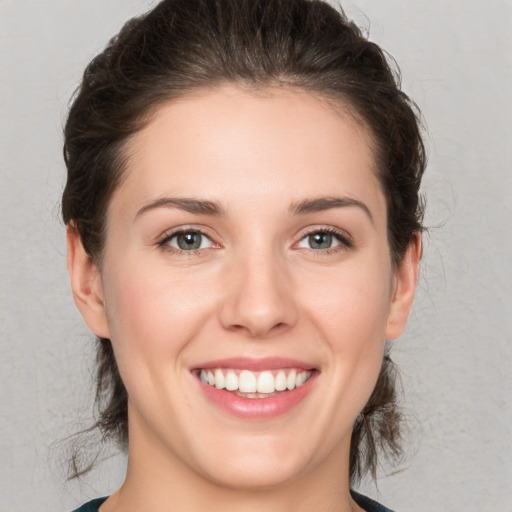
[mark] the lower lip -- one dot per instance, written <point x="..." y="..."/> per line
<point x="258" y="408"/>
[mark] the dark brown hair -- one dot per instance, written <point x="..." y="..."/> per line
<point x="184" y="45"/>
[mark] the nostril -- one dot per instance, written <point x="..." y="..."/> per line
<point x="256" y="331"/>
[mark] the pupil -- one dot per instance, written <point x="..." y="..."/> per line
<point x="188" y="241"/>
<point x="320" y="241"/>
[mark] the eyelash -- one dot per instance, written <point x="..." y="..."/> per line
<point x="167" y="237"/>
<point x="344" y="241"/>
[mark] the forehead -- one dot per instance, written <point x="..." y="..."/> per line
<point x="228" y="144"/>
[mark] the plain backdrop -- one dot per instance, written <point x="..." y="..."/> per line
<point x="456" y="61"/>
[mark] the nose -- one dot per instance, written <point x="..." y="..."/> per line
<point x="259" y="300"/>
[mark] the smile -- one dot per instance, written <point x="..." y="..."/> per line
<point x="251" y="384"/>
<point x="231" y="385"/>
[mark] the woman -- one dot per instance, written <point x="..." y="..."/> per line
<point x="243" y="230"/>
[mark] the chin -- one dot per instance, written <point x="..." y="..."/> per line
<point x="250" y="475"/>
<point x="256" y="464"/>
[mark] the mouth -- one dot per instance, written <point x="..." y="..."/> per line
<point x="256" y="389"/>
<point x="254" y="384"/>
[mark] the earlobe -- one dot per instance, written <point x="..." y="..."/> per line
<point x="86" y="284"/>
<point x="406" y="277"/>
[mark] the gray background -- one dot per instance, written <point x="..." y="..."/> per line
<point x="456" y="355"/>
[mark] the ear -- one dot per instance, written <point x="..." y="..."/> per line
<point x="406" y="277"/>
<point x="86" y="284"/>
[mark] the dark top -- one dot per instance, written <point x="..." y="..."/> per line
<point x="91" y="506"/>
<point x="368" y="504"/>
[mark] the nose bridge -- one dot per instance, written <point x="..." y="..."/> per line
<point x="259" y="300"/>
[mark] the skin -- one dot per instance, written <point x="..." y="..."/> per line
<point x="256" y="288"/>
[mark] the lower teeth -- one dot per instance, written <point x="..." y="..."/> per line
<point x="255" y="395"/>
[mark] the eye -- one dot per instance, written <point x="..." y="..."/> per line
<point x="322" y="240"/>
<point x="188" y="241"/>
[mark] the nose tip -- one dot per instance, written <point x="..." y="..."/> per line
<point x="259" y="302"/>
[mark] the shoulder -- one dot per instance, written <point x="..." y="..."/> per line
<point x="91" y="506"/>
<point x="368" y="504"/>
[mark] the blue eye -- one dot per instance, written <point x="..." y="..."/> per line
<point x="188" y="241"/>
<point x="322" y="240"/>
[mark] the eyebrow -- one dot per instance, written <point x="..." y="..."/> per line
<point x="319" y="204"/>
<point x="201" y="206"/>
<point x="187" y="204"/>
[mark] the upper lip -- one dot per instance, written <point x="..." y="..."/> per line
<point x="255" y="364"/>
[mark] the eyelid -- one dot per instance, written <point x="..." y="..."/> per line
<point x="163" y="239"/>
<point x="344" y="238"/>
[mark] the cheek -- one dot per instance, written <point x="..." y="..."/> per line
<point x="350" y="312"/>
<point x="351" y="305"/>
<point x="152" y="318"/>
<point x="348" y="308"/>
<point x="153" y="312"/>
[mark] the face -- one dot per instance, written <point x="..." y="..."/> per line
<point x="247" y="286"/>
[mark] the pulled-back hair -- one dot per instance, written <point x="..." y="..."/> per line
<point x="185" y="45"/>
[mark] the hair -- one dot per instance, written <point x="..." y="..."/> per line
<point x="181" y="46"/>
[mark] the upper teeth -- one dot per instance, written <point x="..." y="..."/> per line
<point x="246" y="381"/>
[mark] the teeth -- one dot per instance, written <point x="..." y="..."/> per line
<point x="231" y="381"/>
<point x="247" y="382"/>
<point x="290" y="383"/>
<point x="255" y="384"/>
<point x="265" y="383"/>
<point x="219" y="379"/>
<point x="300" y="379"/>
<point x="281" y="381"/>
